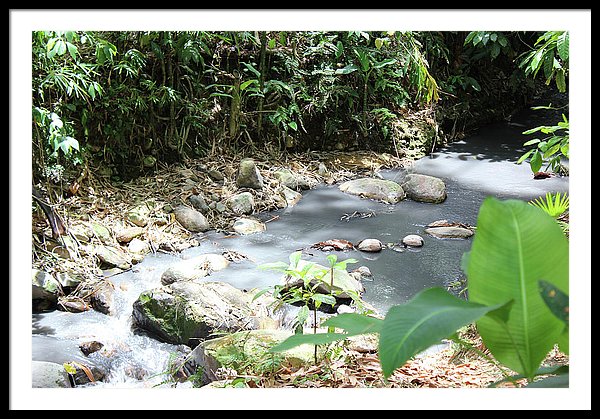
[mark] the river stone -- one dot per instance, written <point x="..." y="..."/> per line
<point x="102" y="299"/>
<point x="291" y="180"/>
<point x="194" y="268"/>
<point x="48" y="375"/>
<point x="387" y="191"/>
<point x="216" y="175"/>
<point x="242" y="203"/>
<point x="226" y="352"/>
<point x="101" y="232"/>
<point x="413" y="240"/>
<point x="140" y="214"/>
<point x="363" y="272"/>
<point x="424" y="188"/>
<point x="90" y="347"/>
<point x="291" y="197"/>
<point x="112" y="256"/>
<point x="370" y="245"/>
<point x="66" y="280"/>
<point x="246" y="225"/>
<point x="138" y="246"/>
<point x="44" y="287"/>
<point x="322" y="170"/>
<point x="129" y="233"/>
<point x="449" y="232"/>
<point x="248" y="175"/>
<point x="191" y="219"/>
<point x="199" y="203"/>
<point x="188" y="312"/>
<point x="344" y="284"/>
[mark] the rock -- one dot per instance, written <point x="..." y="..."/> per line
<point x="245" y="226"/>
<point x="189" y="312"/>
<point x="322" y="170"/>
<point x="248" y="175"/>
<point x="378" y="189"/>
<point x="242" y="203"/>
<point x="370" y="245"/>
<point x="128" y="234"/>
<point x="343" y="308"/>
<point x="291" y="197"/>
<point x="48" y="375"/>
<point x="45" y="290"/>
<point x="449" y="232"/>
<point x="216" y="355"/>
<point x="90" y="347"/>
<point x="199" y="203"/>
<point x="190" y="219"/>
<point x="102" y="299"/>
<point x="413" y="240"/>
<point x="367" y="343"/>
<point x="138" y="246"/>
<point x="194" y="268"/>
<point x="101" y="232"/>
<point x="363" y="272"/>
<point x="439" y="223"/>
<point x="216" y="175"/>
<point x="66" y="280"/>
<point x="290" y="180"/>
<point x="72" y="304"/>
<point x="424" y="188"/>
<point x="112" y="256"/>
<point x="344" y="284"/>
<point x="140" y="214"/>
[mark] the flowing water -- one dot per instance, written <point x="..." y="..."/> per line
<point x="483" y="164"/>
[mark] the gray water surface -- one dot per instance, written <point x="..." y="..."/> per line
<point x="483" y="164"/>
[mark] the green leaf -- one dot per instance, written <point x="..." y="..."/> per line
<point x="430" y="316"/>
<point x="531" y="142"/>
<point x="561" y="83"/>
<point x="383" y="63"/>
<point x="309" y="338"/>
<point x="70" y="369"/>
<point x="293" y="125"/>
<point x="247" y="83"/>
<point x="536" y="161"/>
<point x="324" y="298"/>
<point x="556" y="300"/>
<point x="562" y="46"/>
<point x="517" y="244"/>
<point x="378" y="43"/>
<point x="72" y="50"/>
<point x="355" y="324"/>
<point x="272" y="43"/>
<point x="350" y="68"/>
<point x="276" y="266"/>
<point x="524" y="156"/>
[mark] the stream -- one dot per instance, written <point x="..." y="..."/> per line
<point x="480" y="165"/>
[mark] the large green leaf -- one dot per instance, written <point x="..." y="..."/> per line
<point x="517" y="245"/>
<point x="428" y="317"/>
<point x="354" y="324"/>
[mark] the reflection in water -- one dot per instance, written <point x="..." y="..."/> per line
<point x="482" y="165"/>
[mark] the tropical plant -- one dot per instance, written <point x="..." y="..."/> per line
<point x="554" y="205"/>
<point x="550" y="54"/>
<point x="550" y="149"/>
<point x="517" y="273"/>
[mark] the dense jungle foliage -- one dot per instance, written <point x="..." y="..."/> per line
<point x="121" y="103"/>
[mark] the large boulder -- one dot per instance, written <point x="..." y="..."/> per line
<point x="424" y="188"/>
<point x="290" y="180"/>
<point x="45" y="290"/>
<point x="190" y="219"/>
<point x="242" y="352"/>
<point x="378" y="189"/>
<point x="189" y="312"/>
<point x="248" y="175"/>
<point x="449" y="232"/>
<point x="344" y="284"/>
<point x="112" y="257"/>
<point x="242" y="203"/>
<point x="48" y="375"/>
<point x="194" y="268"/>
